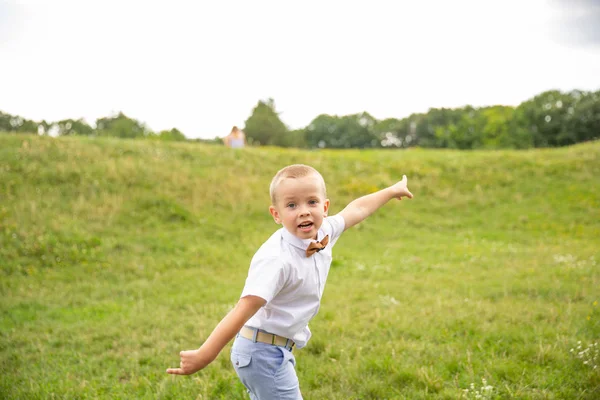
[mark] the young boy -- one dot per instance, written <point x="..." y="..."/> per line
<point x="285" y="283"/>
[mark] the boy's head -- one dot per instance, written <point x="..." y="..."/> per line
<point x="299" y="200"/>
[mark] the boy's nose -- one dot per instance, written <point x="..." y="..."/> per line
<point x="304" y="211"/>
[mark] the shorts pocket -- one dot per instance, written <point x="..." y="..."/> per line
<point x="240" y="360"/>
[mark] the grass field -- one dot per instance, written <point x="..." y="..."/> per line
<point x="115" y="255"/>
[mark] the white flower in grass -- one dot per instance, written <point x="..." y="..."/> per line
<point x="484" y="392"/>
<point x="588" y="354"/>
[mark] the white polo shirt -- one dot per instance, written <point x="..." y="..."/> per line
<point x="291" y="283"/>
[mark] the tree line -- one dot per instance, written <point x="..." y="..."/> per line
<point x="550" y="119"/>
<point x="119" y="125"/>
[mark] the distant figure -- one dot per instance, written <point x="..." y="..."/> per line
<point x="236" y="139"/>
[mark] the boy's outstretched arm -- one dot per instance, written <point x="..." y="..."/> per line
<point x="194" y="360"/>
<point x="362" y="207"/>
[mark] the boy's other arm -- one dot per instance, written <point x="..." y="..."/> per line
<point x="361" y="208"/>
<point x="194" y="360"/>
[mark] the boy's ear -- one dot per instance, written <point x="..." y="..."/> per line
<point x="326" y="206"/>
<point x="275" y="214"/>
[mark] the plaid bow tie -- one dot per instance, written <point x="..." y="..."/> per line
<point x="315" y="247"/>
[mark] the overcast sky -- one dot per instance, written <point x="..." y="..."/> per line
<point x="201" y="66"/>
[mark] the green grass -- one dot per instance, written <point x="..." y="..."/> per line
<point x="115" y="255"/>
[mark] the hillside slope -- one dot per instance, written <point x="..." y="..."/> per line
<point x="117" y="254"/>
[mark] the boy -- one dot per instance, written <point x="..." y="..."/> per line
<point x="285" y="283"/>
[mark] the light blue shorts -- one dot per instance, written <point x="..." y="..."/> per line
<point x="267" y="371"/>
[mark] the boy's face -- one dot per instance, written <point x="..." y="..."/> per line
<point x="300" y="205"/>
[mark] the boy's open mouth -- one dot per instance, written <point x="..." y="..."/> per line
<point x="305" y="225"/>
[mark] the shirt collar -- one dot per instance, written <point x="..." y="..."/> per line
<point x="297" y="242"/>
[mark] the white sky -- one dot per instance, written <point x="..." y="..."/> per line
<point x="201" y="66"/>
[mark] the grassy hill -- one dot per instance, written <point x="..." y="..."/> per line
<point x="115" y="255"/>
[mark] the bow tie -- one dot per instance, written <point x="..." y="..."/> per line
<point x="315" y="247"/>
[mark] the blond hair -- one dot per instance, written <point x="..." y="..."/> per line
<point x="293" y="172"/>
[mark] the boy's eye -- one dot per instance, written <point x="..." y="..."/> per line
<point x="312" y="202"/>
<point x="291" y="205"/>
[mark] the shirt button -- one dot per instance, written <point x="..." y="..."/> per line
<point x="237" y="363"/>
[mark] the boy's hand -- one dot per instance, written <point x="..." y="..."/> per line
<point x="194" y="360"/>
<point x="191" y="361"/>
<point x="400" y="189"/>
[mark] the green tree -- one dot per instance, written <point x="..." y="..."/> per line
<point x="174" y="135"/>
<point x="121" y="126"/>
<point x="435" y="128"/>
<point x="5" y="125"/>
<point x="295" y="138"/>
<point x="545" y="118"/>
<point x="15" y="123"/>
<point x="319" y="130"/>
<point x="392" y="132"/>
<point x="264" y="127"/>
<point x="356" y="130"/>
<point x="68" y="127"/>
<point x="583" y="116"/>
